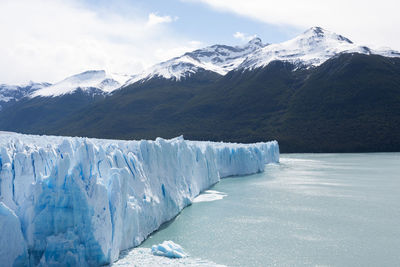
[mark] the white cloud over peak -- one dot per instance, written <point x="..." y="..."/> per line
<point x="45" y="40"/>
<point x="243" y="36"/>
<point x="373" y="23"/>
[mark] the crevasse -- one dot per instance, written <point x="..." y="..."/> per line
<point x="79" y="201"/>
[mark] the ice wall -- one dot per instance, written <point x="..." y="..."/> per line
<point x="80" y="201"/>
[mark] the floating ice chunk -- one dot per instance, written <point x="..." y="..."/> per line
<point x="144" y="258"/>
<point x="168" y="249"/>
<point x="209" y="195"/>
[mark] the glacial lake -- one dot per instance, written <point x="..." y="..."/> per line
<point x="309" y="210"/>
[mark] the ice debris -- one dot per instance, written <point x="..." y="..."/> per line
<point x="209" y="195"/>
<point x="168" y="249"/>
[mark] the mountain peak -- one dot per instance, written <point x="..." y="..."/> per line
<point x="317" y="32"/>
<point x="86" y="75"/>
<point x="256" y="41"/>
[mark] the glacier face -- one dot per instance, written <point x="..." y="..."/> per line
<point x="81" y="201"/>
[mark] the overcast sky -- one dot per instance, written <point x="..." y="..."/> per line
<point x="47" y="40"/>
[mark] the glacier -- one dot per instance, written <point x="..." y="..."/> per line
<point x="79" y="202"/>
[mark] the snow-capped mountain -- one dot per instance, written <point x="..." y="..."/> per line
<point x="92" y="81"/>
<point x="217" y="58"/>
<point x="311" y="48"/>
<point x="10" y="93"/>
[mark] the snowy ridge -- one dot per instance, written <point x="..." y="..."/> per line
<point x="81" y="201"/>
<point x="312" y="48"/>
<point x="309" y="49"/>
<point x="217" y="58"/>
<point x="16" y="92"/>
<point x="89" y="81"/>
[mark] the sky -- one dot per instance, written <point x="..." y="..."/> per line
<point x="48" y="40"/>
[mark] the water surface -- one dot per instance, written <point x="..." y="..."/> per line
<point x="311" y="209"/>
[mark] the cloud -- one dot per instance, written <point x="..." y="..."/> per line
<point x="367" y="22"/>
<point x="244" y="37"/>
<point x="154" y="19"/>
<point x="45" y="40"/>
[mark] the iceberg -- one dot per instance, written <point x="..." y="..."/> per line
<point x="209" y="195"/>
<point x="168" y="249"/>
<point x="80" y="202"/>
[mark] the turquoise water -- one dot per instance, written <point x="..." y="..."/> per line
<point x="311" y="209"/>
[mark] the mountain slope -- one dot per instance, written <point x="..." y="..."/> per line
<point x="35" y="115"/>
<point x="349" y="103"/>
<point x="140" y="108"/>
<point x="32" y="108"/>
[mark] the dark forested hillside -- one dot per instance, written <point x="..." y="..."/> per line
<point x="36" y="115"/>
